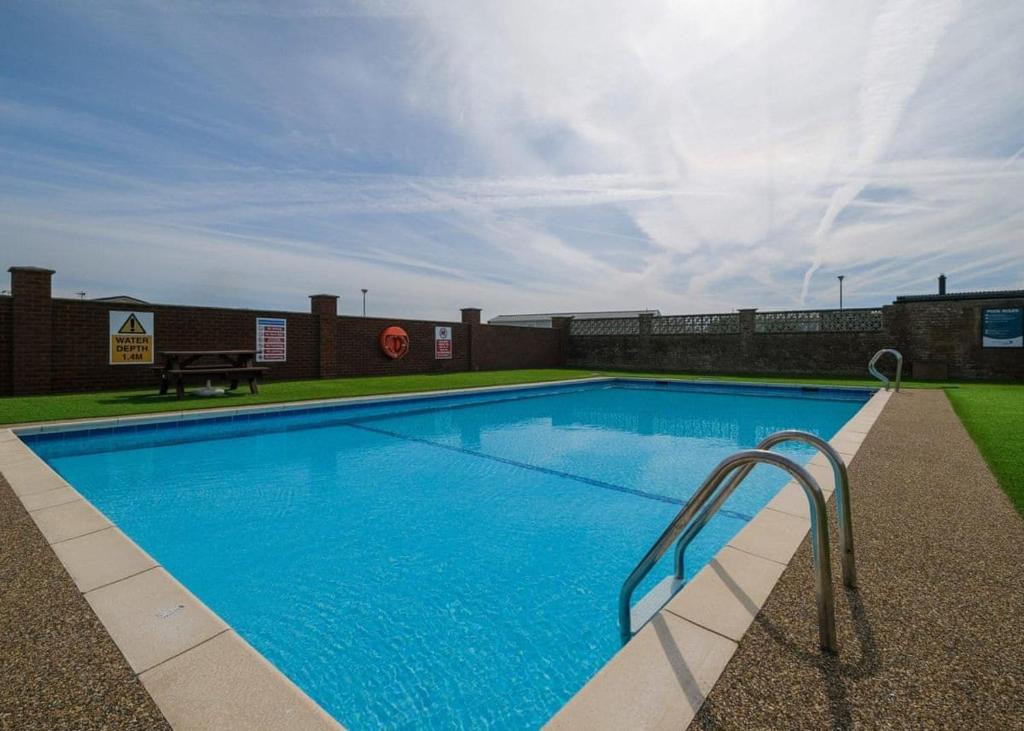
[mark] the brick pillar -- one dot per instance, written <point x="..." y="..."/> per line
<point x="31" y="330"/>
<point x="643" y="341"/>
<point x="325" y="307"/>
<point x="471" y="319"/>
<point x="748" y="326"/>
<point x="564" y="327"/>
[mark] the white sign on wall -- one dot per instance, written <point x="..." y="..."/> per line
<point x="271" y="339"/>
<point x="442" y="343"/>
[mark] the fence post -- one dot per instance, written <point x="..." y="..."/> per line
<point x="471" y="319"/>
<point x="325" y="307"/>
<point x="31" y="330"/>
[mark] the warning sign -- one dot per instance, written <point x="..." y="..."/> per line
<point x="442" y="343"/>
<point x="131" y="338"/>
<point x="271" y="339"/>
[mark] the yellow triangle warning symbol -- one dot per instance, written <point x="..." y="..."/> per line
<point x="132" y="326"/>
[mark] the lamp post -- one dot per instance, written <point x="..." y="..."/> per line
<point x="841" y="277"/>
<point x="364" y="291"/>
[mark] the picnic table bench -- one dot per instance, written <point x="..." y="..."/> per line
<point x="232" y="365"/>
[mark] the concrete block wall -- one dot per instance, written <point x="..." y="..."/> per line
<point x="942" y="338"/>
<point x="939" y="339"/>
<point x="836" y="354"/>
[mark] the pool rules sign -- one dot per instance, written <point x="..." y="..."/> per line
<point x="131" y="338"/>
<point x="442" y="343"/>
<point x="271" y="339"/>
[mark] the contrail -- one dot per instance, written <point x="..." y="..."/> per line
<point x="903" y="41"/>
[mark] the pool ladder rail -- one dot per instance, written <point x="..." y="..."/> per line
<point x="873" y="370"/>
<point x="710" y="497"/>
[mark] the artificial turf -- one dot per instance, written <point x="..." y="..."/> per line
<point x="22" y="409"/>
<point x="994" y="417"/>
<point x="992" y="414"/>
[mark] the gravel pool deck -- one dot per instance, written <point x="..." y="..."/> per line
<point x="934" y="636"/>
<point x="59" y="667"/>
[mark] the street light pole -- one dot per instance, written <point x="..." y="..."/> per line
<point x="841" y="277"/>
<point x="364" y="301"/>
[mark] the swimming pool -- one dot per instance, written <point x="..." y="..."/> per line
<point x="435" y="562"/>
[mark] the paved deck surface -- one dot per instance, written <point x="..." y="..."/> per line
<point x="59" y="667"/>
<point x="934" y="637"/>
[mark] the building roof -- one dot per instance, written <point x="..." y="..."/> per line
<point x="121" y="299"/>
<point x="990" y="295"/>
<point x="509" y="319"/>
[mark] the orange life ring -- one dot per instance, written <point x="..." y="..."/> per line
<point x="394" y="342"/>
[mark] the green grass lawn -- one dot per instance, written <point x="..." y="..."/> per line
<point x="22" y="409"/>
<point x="992" y="414"/>
<point x="994" y="417"/>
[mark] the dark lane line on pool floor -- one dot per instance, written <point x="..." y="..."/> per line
<point x="536" y="468"/>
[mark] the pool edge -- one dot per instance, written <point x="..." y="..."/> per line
<point x="661" y="678"/>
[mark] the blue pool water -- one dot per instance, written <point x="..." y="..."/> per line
<point x="438" y="563"/>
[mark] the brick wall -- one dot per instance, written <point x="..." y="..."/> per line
<point x="31" y="329"/>
<point x="60" y="345"/>
<point x="359" y="353"/>
<point x="498" y="347"/>
<point x="63" y="344"/>
<point x="6" y="348"/>
<point x="80" y="343"/>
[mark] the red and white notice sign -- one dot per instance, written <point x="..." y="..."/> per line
<point x="442" y="343"/>
<point x="271" y="339"/>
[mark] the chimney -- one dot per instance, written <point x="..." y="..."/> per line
<point x="942" y="284"/>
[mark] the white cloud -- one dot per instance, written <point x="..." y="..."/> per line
<point x="520" y="156"/>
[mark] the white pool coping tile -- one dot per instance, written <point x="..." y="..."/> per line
<point x="101" y="558"/>
<point x="49" y="498"/>
<point x="152" y="617"/>
<point x="728" y="592"/>
<point x="225" y="684"/>
<point x="202" y="674"/>
<point x="67" y="521"/>
<point x="659" y="679"/>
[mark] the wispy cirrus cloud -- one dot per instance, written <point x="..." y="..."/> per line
<point x="517" y="156"/>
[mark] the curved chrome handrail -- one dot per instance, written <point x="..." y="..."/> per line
<point x="899" y="367"/>
<point x="819" y="539"/>
<point x="843" y="512"/>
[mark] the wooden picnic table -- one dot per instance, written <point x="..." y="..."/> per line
<point x="230" y="364"/>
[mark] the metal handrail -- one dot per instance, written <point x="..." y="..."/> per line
<point x="707" y="490"/>
<point x="881" y="377"/>
<point x="843" y="512"/>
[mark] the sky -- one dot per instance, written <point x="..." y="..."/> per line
<point x="516" y="156"/>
